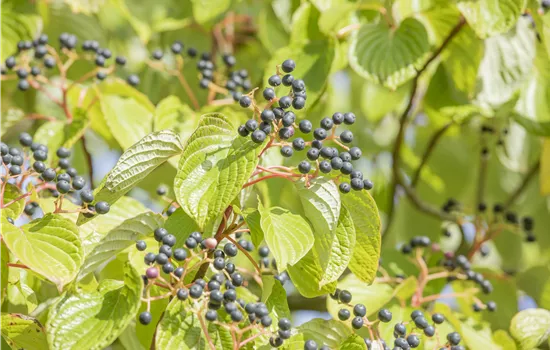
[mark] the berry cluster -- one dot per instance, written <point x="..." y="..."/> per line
<point x="33" y="56"/>
<point x="279" y="123"/>
<point x="451" y="264"/>
<point x="210" y="294"/>
<point x="406" y="334"/>
<point x="29" y="164"/>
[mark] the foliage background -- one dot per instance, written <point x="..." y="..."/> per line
<point x="134" y="28"/>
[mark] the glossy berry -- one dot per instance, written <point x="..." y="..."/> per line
<point x="157" y="54"/>
<point x="429" y="331"/>
<point x="39" y="167"/>
<point x="145" y="318"/>
<point x="413" y="341"/>
<point x="102" y="207"/>
<point x="274" y="80"/>
<point x="400" y="329"/>
<point x="357" y="322"/>
<point x="285" y="102"/>
<point x="269" y="94"/>
<point x="357" y="184"/>
<point x="141" y="245"/>
<point x="169" y="240"/>
<point x="258" y="136"/>
<point x="325" y="167"/>
<point x="384" y="315"/>
<point x="62" y="186"/>
<point x="304" y="167"/>
<point x="284" y="324"/>
<point x="287" y="80"/>
<point x="288" y="119"/>
<point x="195" y="291"/>
<point x="23" y="85"/>
<point x="491" y="306"/>
<point x="313" y="154"/>
<point x="346" y="136"/>
<point x="349" y="118"/>
<point x="344" y="187"/>
<point x="133" y="80"/>
<point x="355" y="153"/>
<point x="288" y="66"/>
<point x="320" y="134"/>
<point x="359" y="310"/>
<point x="421" y="322"/>
<point x="298" y="144"/>
<point x="87" y="196"/>
<point x="275" y="341"/>
<point x="454" y="338"/>
<point x="286" y="132"/>
<point x="345" y="296"/>
<point x="310" y="345"/>
<point x="191" y="243"/>
<point x="298" y="102"/>
<point x="267" y="115"/>
<point x="305" y="126"/>
<point x="344" y="314"/>
<point x="287" y="151"/>
<point x="367" y="184"/>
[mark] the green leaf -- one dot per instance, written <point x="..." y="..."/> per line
<point x="93" y="320"/>
<point x="15" y="209"/>
<point x="126" y="114"/>
<point x="253" y="220"/>
<point x="336" y="16"/>
<point x="530" y="327"/>
<point x="180" y="225"/>
<point x="328" y="332"/>
<point x="214" y="166"/>
<point x="306" y="275"/>
<point x="134" y="165"/>
<point x="387" y="101"/>
<point x="141" y="28"/>
<point x="23" y="332"/>
<point x="15" y="27"/>
<point x="366" y="253"/>
<point x="491" y="17"/>
<point x="5" y="259"/>
<point x="87" y="7"/>
<point x="504" y="340"/>
<point x="507" y="64"/>
<point x="207" y="11"/>
<point x="275" y="298"/>
<point x="305" y="25"/>
<point x="55" y="134"/>
<point x="334" y="230"/>
<point x="406" y="288"/>
<point x="180" y="329"/>
<point x="172" y="114"/>
<point x="315" y="62"/>
<point x="545" y="168"/>
<point x="288" y="236"/>
<point x="121" y="237"/>
<point x="374" y="296"/>
<point x="10" y="118"/>
<point x="387" y="56"/>
<point x="93" y="231"/>
<point x="271" y="31"/>
<point x="321" y="202"/>
<point x="50" y="246"/>
<point x="354" y="342"/>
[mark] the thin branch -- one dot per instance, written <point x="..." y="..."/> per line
<point x="528" y="177"/>
<point x="403" y="121"/>
<point x="246" y="253"/>
<point x="428" y="152"/>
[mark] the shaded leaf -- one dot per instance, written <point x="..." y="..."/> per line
<point x="386" y="56"/>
